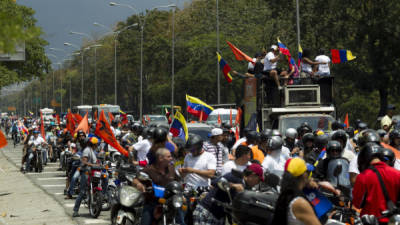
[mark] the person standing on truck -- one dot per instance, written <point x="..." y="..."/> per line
<point x="270" y="65"/>
<point x="323" y="69"/>
<point x="307" y="65"/>
<point x="387" y="123"/>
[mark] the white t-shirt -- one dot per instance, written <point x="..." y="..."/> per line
<point x="323" y="68"/>
<point x="275" y="165"/>
<point x="285" y="152"/>
<point x="205" y="161"/>
<point x="268" y="65"/>
<point x="348" y="154"/>
<point x="305" y="67"/>
<point x="228" y="166"/>
<point x="142" y="148"/>
<point x="353" y="167"/>
<point x="251" y="65"/>
<point x="36" y="141"/>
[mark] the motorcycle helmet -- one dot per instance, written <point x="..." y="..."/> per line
<point x="362" y="126"/>
<point x="367" y="154"/>
<point x="334" y="149"/>
<point x="350" y="131"/>
<point x="36" y="132"/>
<point x="291" y="133"/>
<point x="245" y="131"/>
<point x="336" y="125"/>
<point x="388" y="156"/>
<point x="180" y="143"/>
<point x="251" y="137"/>
<point x="160" y="135"/>
<point x="321" y="141"/>
<point x="381" y="133"/>
<point x="371" y="136"/>
<point x="265" y="135"/>
<point x="393" y="135"/>
<point x="114" y="123"/>
<point x="304" y="128"/>
<point x="150" y="132"/>
<point x="276" y="132"/>
<point x="80" y="132"/>
<point x="275" y="143"/>
<point x="307" y="137"/>
<point x="194" y="143"/>
<point x="341" y="136"/>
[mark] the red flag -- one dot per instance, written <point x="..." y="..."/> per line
<point x="111" y="116"/>
<point x="95" y="115"/>
<point x="346" y="120"/>
<point x="78" y="118"/>
<point x="83" y="125"/>
<point x="3" y="140"/>
<point x="104" y="131"/>
<point x="58" y="119"/>
<point x="70" y="123"/>
<point x="238" y="116"/>
<point x="230" y="116"/>
<point x="124" y="119"/>
<point x="239" y="54"/>
<point x="219" y="119"/>
<point x="42" y="126"/>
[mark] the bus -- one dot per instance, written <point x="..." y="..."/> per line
<point x="82" y="110"/>
<point x="113" y="109"/>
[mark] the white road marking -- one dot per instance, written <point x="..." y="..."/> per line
<point x="95" y="221"/>
<point x="58" y="193"/>
<point x="53" y="185"/>
<point x="47" y="172"/>
<point x="69" y="205"/>
<point x="52" y="178"/>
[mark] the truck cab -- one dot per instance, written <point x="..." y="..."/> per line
<point x="308" y="101"/>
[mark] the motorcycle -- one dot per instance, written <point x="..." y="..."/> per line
<point x="55" y="148"/>
<point x="37" y="161"/>
<point x="127" y="201"/>
<point x="95" y="191"/>
<point x="16" y="138"/>
<point x="194" y="195"/>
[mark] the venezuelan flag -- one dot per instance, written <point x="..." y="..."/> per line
<point x="197" y="107"/>
<point x="225" y="68"/>
<point x="339" y="56"/>
<point x="300" y="56"/>
<point x="179" y="127"/>
<point x="284" y="50"/>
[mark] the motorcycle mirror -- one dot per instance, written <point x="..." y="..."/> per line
<point x="369" y="220"/>
<point x="143" y="176"/>
<point x="223" y="184"/>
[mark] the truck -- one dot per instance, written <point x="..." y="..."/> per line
<point x="47" y="114"/>
<point x="113" y="109"/>
<point x="308" y="101"/>
<point x="82" y="110"/>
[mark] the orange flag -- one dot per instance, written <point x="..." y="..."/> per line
<point x="104" y="131"/>
<point x="230" y="116"/>
<point x="238" y="116"/>
<point x="70" y="123"/>
<point x="346" y="120"/>
<point x="219" y="119"/>
<point x="83" y="125"/>
<point x="111" y="116"/>
<point x="95" y="115"/>
<point x="239" y="54"/>
<point x="58" y="119"/>
<point x="3" y="140"/>
<point x="42" y="126"/>
<point x="201" y="116"/>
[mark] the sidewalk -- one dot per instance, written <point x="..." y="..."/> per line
<point x="21" y="202"/>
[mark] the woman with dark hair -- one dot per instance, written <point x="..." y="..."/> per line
<point x="292" y="207"/>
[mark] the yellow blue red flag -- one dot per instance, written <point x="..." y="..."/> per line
<point x="179" y="127"/>
<point x="225" y="68"/>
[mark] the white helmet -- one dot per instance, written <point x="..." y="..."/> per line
<point x="291" y="133"/>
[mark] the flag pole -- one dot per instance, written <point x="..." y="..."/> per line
<point x="298" y="24"/>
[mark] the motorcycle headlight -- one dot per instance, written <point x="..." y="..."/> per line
<point x="177" y="201"/>
<point x="128" y="195"/>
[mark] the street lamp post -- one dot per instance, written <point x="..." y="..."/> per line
<point x="218" y="78"/>
<point x="298" y="24"/>
<point x="81" y="51"/>
<point x="52" y="55"/>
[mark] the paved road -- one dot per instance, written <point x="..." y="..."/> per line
<point x="52" y="182"/>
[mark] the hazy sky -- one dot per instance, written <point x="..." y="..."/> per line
<point x="58" y="17"/>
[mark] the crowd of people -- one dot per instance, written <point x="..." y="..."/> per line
<point x="300" y="156"/>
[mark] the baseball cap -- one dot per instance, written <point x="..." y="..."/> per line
<point x="274" y="47"/>
<point x="216" y="132"/>
<point x="257" y="169"/>
<point x="297" y="166"/>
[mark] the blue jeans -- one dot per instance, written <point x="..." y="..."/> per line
<point x="74" y="178"/>
<point x="147" y="213"/>
<point x="29" y="157"/>
<point x="82" y="192"/>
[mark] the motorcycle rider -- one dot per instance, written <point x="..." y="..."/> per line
<point x="292" y="207"/>
<point x="275" y="160"/>
<point x="210" y="212"/>
<point x="290" y="141"/>
<point x="88" y="159"/>
<point x="215" y="147"/>
<point x="161" y="172"/>
<point x="241" y="161"/>
<point x="199" y="166"/>
<point x="318" y="152"/>
<point x="34" y="142"/>
<point x="341" y="137"/>
<point x="253" y="141"/>
<point x="367" y="192"/>
<point x="25" y="148"/>
<point x="307" y="144"/>
<point x="334" y="150"/>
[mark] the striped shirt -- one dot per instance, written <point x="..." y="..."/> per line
<point x="217" y="151"/>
